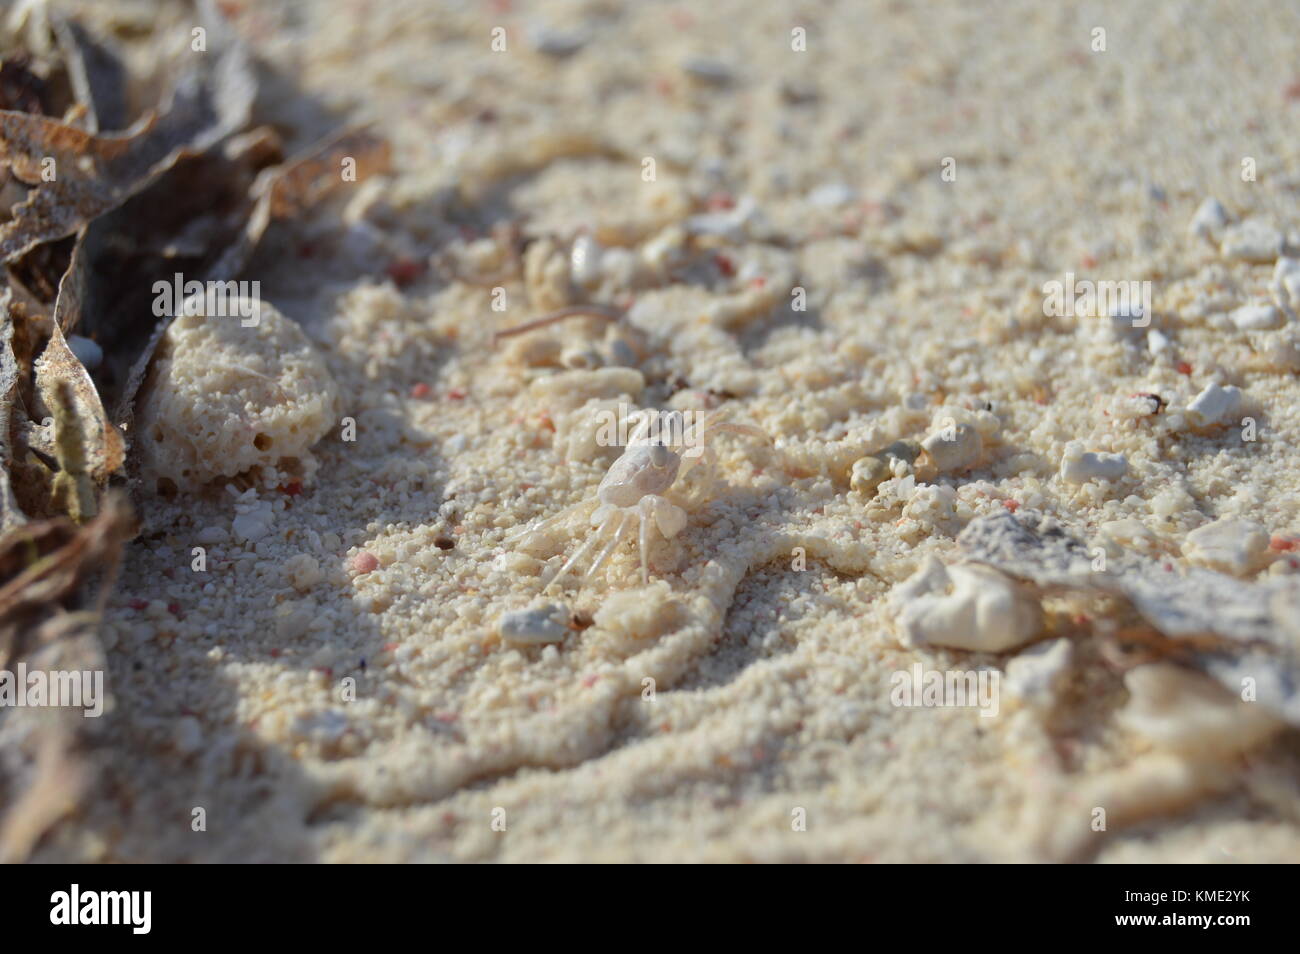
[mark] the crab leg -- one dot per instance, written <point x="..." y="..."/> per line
<point x="579" y="553"/>
<point x="618" y="536"/>
<point x="547" y="523"/>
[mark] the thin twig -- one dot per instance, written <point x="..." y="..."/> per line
<point x="589" y="311"/>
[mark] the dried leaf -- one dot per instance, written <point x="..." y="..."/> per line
<point x="286" y="191"/>
<point x="102" y="443"/>
<point x="94" y="174"/>
<point x="97" y="77"/>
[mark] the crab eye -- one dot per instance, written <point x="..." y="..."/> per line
<point x="658" y="455"/>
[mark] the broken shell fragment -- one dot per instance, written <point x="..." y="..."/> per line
<point x="585" y="262"/>
<point x="580" y="358"/>
<point x="1286" y="282"/>
<point x="1210" y="219"/>
<point x="1279" y="353"/>
<point x="544" y="623"/>
<point x="1183" y="711"/>
<point x="570" y="389"/>
<point x="1229" y="545"/>
<point x="968" y="606"/>
<point x="867" y="474"/>
<point x="1251" y="242"/>
<point x="1036" y="675"/>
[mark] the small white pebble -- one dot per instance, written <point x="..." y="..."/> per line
<point x="210" y="535"/>
<point x="831" y="194"/>
<point x="1078" y="465"/>
<point x="1157" y="341"/>
<point x="1129" y="532"/>
<point x="1257" y="317"/>
<point x="731" y="224"/>
<point x="1171" y="501"/>
<point x="954" y="448"/>
<point x="539" y="624"/>
<point x="1133" y="406"/>
<point x="707" y="70"/>
<point x="1279" y="353"/>
<point x="557" y="43"/>
<point x="1210" y="218"/>
<point x="867" y="474"/>
<point x="250" y="527"/>
<point x="584" y="261"/>
<point x="931" y="504"/>
<point x="1285" y="266"/>
<point x="1213" y="405"/>
<point x="302" y="571"/>
<point x="1290" y="288"/>
<point x="88" y="352"/>
<point x="1251" y="242"/>
<point x="1037" y="673"/>
<point x="1229" y="545"/>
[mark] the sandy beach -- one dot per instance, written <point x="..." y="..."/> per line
<point x="1002" y="300"/>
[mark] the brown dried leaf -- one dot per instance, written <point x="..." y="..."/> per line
<point x="101" y="441"/>
<point x="288" y="190"/>
<point x="97" y="77"/>
<point x="94" y="174"/>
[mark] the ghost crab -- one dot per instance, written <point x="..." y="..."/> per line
<point x="663" y="447"/>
